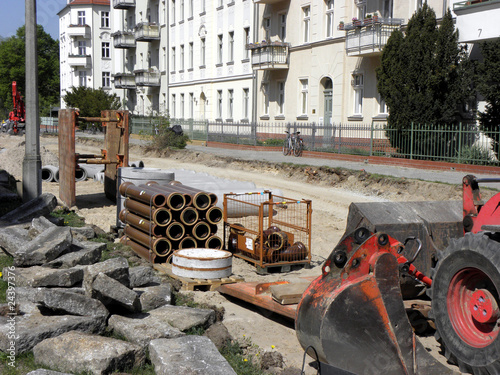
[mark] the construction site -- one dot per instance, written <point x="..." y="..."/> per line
<point x="335" y="262"/>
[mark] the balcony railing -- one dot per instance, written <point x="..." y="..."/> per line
<point x="79" y="60"/>
<point x="123" y="39"/>
<point x="146" y="31"/>
<point x="268" y="2"/>
<point x="124" y="80"/>
<point x="462" y="4"/>
<point x="79" y="31"/>
<point x="477" y="21"/>
<point x="123" y="4"/>
<point x="269" y="55"/>
<point x="369" y="36"/>
<point x="147" y="77"/>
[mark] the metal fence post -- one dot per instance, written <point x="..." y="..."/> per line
<point x="371" y="140"/>
<point x="459" y="142"/>
<point x="411" y="141"/>
<point x="340" y="136"/>
<point x="313" y="136"/>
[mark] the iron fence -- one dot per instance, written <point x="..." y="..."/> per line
<point x="49" y="124"/>
<point x="461" y="143"/>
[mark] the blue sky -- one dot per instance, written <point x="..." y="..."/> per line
<point x="13" y="16"/>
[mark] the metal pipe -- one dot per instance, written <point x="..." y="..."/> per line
<point x="175" y="231"/>
<point x="201" y="231"/>
<point x="160" y="216"/>
<point x="188" y="216"/>
<point x="141" y="223"/>
<point x="175" y="201"/>
<point x="213" y="242"/>
<point x="139" y="249"/>
<point x="160" y="246"/>
<point x="153" y="198"/>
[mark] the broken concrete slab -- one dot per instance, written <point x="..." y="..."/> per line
<point x="40" y="206"/>
<point x="31" y="327"/>
<point x="113" y="294"/>
<point x="13" y="238"/>
<point x="78" y="352"/>
<point x="45" y="247"/>
<point x="142" y="328"/>
<point x="72" y="303"/>
<point x="89" y="254"/>
<point x="38" y="276"/>
<point x="116" y="268"/>
<point x="142" y="276"/>
<point x="152" y="297"/>
<point x="219" y="335"/>
<point x="46" y="372"/>
<point x="83" y="233"/>
<point x="41" y="224"/>
<point x="195" y="355"/>
<point x="183" y="317"/>
<point x="34" y="295"/>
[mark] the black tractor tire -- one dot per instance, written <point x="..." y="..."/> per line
<point x="468" y="267"/>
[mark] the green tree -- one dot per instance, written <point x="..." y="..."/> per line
<point x="424" y="77"/>
<point x="90" y="101"/>
<point x="12" y="68"/>
<point x="488" y="85"/>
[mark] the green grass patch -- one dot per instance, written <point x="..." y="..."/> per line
<point x="113" y="249"/>
<point x="71" y="219"/>
<point x="23" y="364"/>
<point x="5" y="261"/>
<point x="240" y="363"/>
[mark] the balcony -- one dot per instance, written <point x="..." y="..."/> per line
<point x="268" y="2"/>
<point x="79" y="60"/>
<point x="124" y="80"/>
<point x="82" y="31"/>
<point x="368" y="37"/>
<point x="477" y="20"/>
<point x="123" y="4"/>
<point x="147" y="77"/>
<point x="147" y="32"/>
<point x="123" y="39"/>
<point x="269" y="55"/>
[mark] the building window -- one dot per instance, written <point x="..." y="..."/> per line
<point x="181" y="17"/>
<point x="281" y="98"/>
<point x="219" y="49"/>
<point x="219" y="104"/>
<point x="106" y="79"/>
<point x="173" y="59"/>
<point x="265" y="91"/>
<point x="173" y="11"/>
<point x="191" y="8"/>
<point x="182" y="105"/>
<point x="282" y="35"/>
<point x="203" y="6"/>
<point x="82" y="78"/>
<point x="82" y="48"/>
<point x="306" y="20"/>
<point x="382" y="107"/>
<point x="357" y="85"/>
<point x="246" y="52"/>
<point x="246" y="102"/>
<point x="230" y="100"/>
<point x="81" y="17"/>
<point x="303" y="96"/>
<point x="172" y="108"/>
<point x="191" y="105"/>
<point x="191" y="55"/>
<point x="202" y="51"/>
<point x="231" y="46"/>
<point x="181" y="57"/>
<point x="267" y="28"/>
<point x="105" y="19"/>
<point x="387" y="7"/>
<point x="329" y="18"/>
<point x="361" y="5"/>
<point x="105" y="50"/>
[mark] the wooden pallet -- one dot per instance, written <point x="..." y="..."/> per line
<point x="189" y="284"/>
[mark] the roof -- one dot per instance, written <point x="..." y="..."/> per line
<point x="85" y="2"/>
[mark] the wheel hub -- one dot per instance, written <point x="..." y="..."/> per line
<point x="483" y="306"/>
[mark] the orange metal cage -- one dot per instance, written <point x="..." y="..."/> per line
<point x="268" y="230"/>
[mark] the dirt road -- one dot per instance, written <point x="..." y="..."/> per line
<point x="331" y="192"/>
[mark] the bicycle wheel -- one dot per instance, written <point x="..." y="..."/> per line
<point x="286" y="147"/>
<point x="298" y="148"/>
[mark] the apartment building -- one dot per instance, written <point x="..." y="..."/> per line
<point x="184" y="58"/>
<point x="316" y="59"/>
<point x="85" y="45"/>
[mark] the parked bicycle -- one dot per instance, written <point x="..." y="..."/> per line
<point x="293" y="144"/>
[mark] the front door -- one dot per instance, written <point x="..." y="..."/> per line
<point x="328" y="105"/>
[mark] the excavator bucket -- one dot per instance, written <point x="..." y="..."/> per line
<point x="434" y="223"/>
<point x="352" y="318"/>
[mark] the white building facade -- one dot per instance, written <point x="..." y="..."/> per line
<point x="85" y="45"/>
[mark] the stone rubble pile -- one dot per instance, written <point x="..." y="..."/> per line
<point x="70" y="306"/>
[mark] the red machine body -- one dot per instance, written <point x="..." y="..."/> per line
<point x="18" y="113"/>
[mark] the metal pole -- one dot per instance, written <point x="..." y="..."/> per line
<point x="32" y="164"/>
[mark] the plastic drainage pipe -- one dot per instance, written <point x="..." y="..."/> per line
<point x="137" y="164"/>
<point x="213" y="215"/>
<point x="49" y="173"/>
<point x="142" y="224"/>
<point x="140" y="250"/>
<point x="175" y="231"/>
<point x="188" y="216"/>
<point x="160" y="216"/>
<point x="160" y="246"/>
<point x="201" y="231"/>
<point x="201" y="199"/>
<point x="187" y="243"/>
<point x="213" y="242"/>
<point x="142" y="194"/>
<point x="175" y="201"/>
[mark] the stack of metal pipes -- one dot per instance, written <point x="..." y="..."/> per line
<point x="162" y="218"/>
